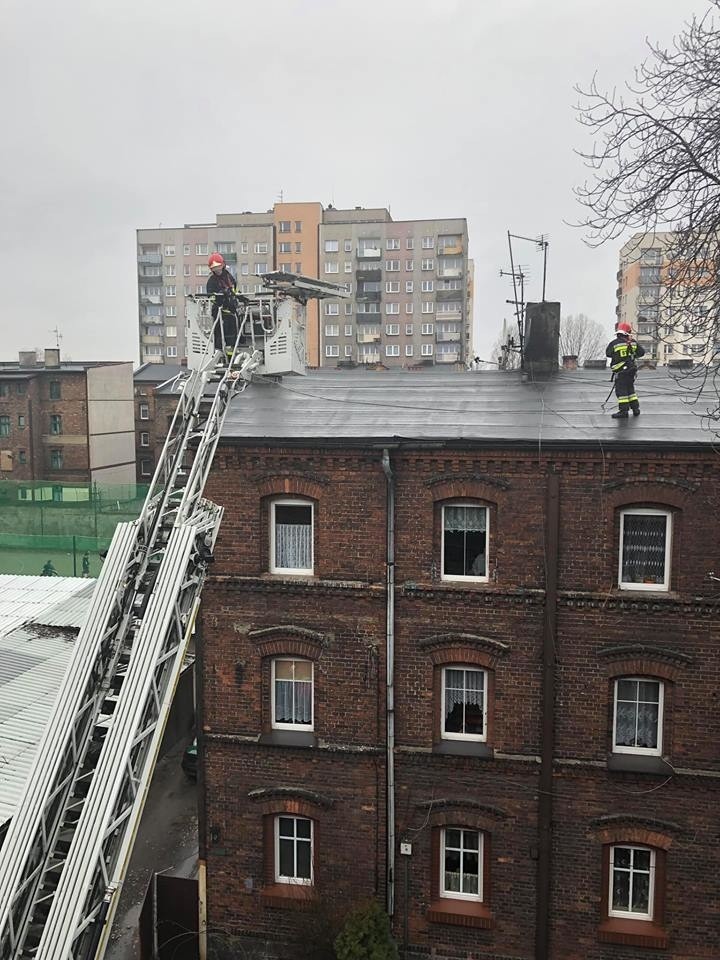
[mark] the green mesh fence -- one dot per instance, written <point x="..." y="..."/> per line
<point x="61" y="529"/>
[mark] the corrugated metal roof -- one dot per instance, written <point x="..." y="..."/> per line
<point x="483" y="407"/>
<point x="39" y="619"/>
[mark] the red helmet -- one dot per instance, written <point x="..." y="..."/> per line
<point x="624" y="328"/>
<point x="216" y="260"/>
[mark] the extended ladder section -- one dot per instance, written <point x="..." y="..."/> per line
<point x="66" y="852"/>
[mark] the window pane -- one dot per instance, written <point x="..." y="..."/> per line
<point x="470" y="872"/>
<point x="465" y="541"/>
<point x="622" y="857"/>
<point x="643" y="558"/>
<point x="640" y="892"/>
<point x="287" y="826"/>
<point x="471" y="839"/>
<point x="621" y="890"/>
<point x="303" y="828"/>
<point x="452" y="870"/>
<point x="647" y="727"/>
<point x="452" y="838"/>
<point x="627" y="690"/>
<point x="286" y="857"/>
<point x="649" y="691"/>
<point x="293" y="536"/>
<point x="625" y="725"/>
<point x="641" y="859"/>
<point x="303" y="670"/>
<point x="303" y="859"/>
<point x="283" y="669"/>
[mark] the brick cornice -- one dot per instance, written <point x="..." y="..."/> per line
<point x="289" y="639"/>
<point x="290" y="799"/>
<point x="646" y="651"/>
<point x="630" y="828"/>
<point x="487" y="593"/>
<point x="463" y="648"/>
<point x="271" y="583"/>
<point x="625" y="600"/>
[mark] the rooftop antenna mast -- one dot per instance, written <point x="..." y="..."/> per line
<point x="542" y="243"/>
<point x="58" y="336"/>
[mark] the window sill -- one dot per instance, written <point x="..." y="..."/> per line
<point x="461" y="913"/>
<point x="636" y="763"/>
<point x="633" y="933"/>
<point x="292" y="896"/>
<point x="289" y="738"/>
<point x="464" y="748"/>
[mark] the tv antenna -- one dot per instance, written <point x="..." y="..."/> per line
<point x="58" y="336"/>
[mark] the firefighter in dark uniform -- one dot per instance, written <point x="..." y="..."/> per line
<point x="221" y="287"/>
<point x="623" y="352"/>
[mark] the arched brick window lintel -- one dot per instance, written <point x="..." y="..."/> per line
<point x="288" y="639"/>
<point x="459" y="489"/>
<point x="632" y="829"/>
<point x="294" y="801"/>
<point x="293" y="486"/>
<point x="642" y="666"/>
<point x="464" y="648"/>
<point x="664" y="496"/>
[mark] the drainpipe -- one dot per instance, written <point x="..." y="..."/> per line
<point x="390" y="680"/>
<point x="547" y="742"/>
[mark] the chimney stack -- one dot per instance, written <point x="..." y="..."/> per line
<point x="28" y="358"/>
<point x="52" y="357"/>
<point x="542" y="339"/>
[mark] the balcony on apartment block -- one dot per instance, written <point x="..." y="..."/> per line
<point x="148" y="338"/>
<point x="369" y="337"/>
<point x="450" y="250"/>
<point x="369" y="357"/>
<point x="369" y="253"/>
<point x="444" y="336"/>
<point x="150" y="259"/>
<point x="448" y="357"/>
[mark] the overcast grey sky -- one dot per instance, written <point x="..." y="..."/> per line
<point x="120" y="114"/>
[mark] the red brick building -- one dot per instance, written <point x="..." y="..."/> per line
<point x="459" y="654"/>
<point x="65" y="423"/>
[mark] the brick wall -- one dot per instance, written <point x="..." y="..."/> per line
<point x="336" y="619"/>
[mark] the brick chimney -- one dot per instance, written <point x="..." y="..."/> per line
<point x="542" y="339"/>
<point x="28" y="358"/>
<point x="52" y="357"/>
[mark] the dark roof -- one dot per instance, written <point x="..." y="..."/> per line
<point x="357" y="407"/>
<point x="13" y="368"/>
<point x="157" y="372"/>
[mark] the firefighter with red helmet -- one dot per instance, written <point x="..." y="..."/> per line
<point x="221" y="288"/>
<point x="623" y="353"/>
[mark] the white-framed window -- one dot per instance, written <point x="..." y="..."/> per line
<point x="144" y="439"/>
<point x="392" y="244"/>
<point x="284" y="226"/>
<point x="261" y="247"/>
<point x="464" y="703"/>
<point x="170" y="351"/>
<point x="409" y="243"/>
<point x="347" y="246"/>
<point x="408" y="329"/>
<point x="186" y="249"/>
<point x="170" y="310"/>
<point x="392" y="265"/>
<point x="284" y="247"/>
<point x="292" y="694"/>
<point x="408" y="349"/>
<point x="348" y="307"/>
<point x="293" y="850"/>
<point x="461" y="860"/>
<point x="426" y="349"/>
<point x="291" y="537"/>
<point x="427" y="286"/>
<point x="392" y="349"/>
<point x="428" y="243"/>
<point x="428" y="306"/>
<point x="200" y="270"/>
<point x="392" y="308"/>
<point x="171" y="290"/>
<point x="409" y="308"/>
<point x="464" y="539"/>
<point x="332" y="329"/>
<point x="332" y="266"/>
<point x="169" y="250"/>
<point x="145" y="468"/>
<point x="638" y="716"/>
<point x="348" y="330"/>
<point x="260" y="269"/>
<point x="144" y="411"/>
<point x="348" y="350"/>
<point x="409" y="286"/>
<point x="244" y="246"/>
<point x="409" y="266"/>
<point x="427" y="328"/>
<point x="645" y="544"/>
<point x="186" y="269"/>
<point x="298" y="226"/>
<point x="392" y="329"/>
<point x="332" y="350"/>
<point x="347" y="266"/>
<point x="392" y="286"/>
<point x="332" y="246"/>
<point x="170" y="270"/>
<point x="428" y="264"/>
<point x="245" y="269"/>
<point x="285" y="268"/>
<point x="200" y="288"/>
<point x="332" y="309"/>
<point x="201" y="249"/>
<point x="170" y="331"/>
<point x="632" y="882"/>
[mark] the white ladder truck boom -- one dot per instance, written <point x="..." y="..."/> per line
<point x="67" y="849"/>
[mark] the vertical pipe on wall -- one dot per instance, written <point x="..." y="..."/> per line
<point x="390" y="680"/>
<point x="547" y="742"/>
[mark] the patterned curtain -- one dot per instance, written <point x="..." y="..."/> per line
<point x="460" y="519"/>
<point x="643" y="548"/>
<point x="293" y="546"/>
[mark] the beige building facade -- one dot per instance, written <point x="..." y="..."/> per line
<point x="410" y="282"/>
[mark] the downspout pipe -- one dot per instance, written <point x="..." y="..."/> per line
<point x="547" y="741"/>
<point x="390" y="681"/>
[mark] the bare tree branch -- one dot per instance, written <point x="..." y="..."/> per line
<point x="583" y="338"/>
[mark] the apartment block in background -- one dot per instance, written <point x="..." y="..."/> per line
<point x="66" y="423"/>
<point x="410" y="281"/>
<point x="643" y="302"/>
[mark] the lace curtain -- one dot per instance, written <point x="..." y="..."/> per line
<point x="643" y="548"/>
<point x="465" y="519"/>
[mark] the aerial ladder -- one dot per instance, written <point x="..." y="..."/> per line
<point x="65" y="855"/>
